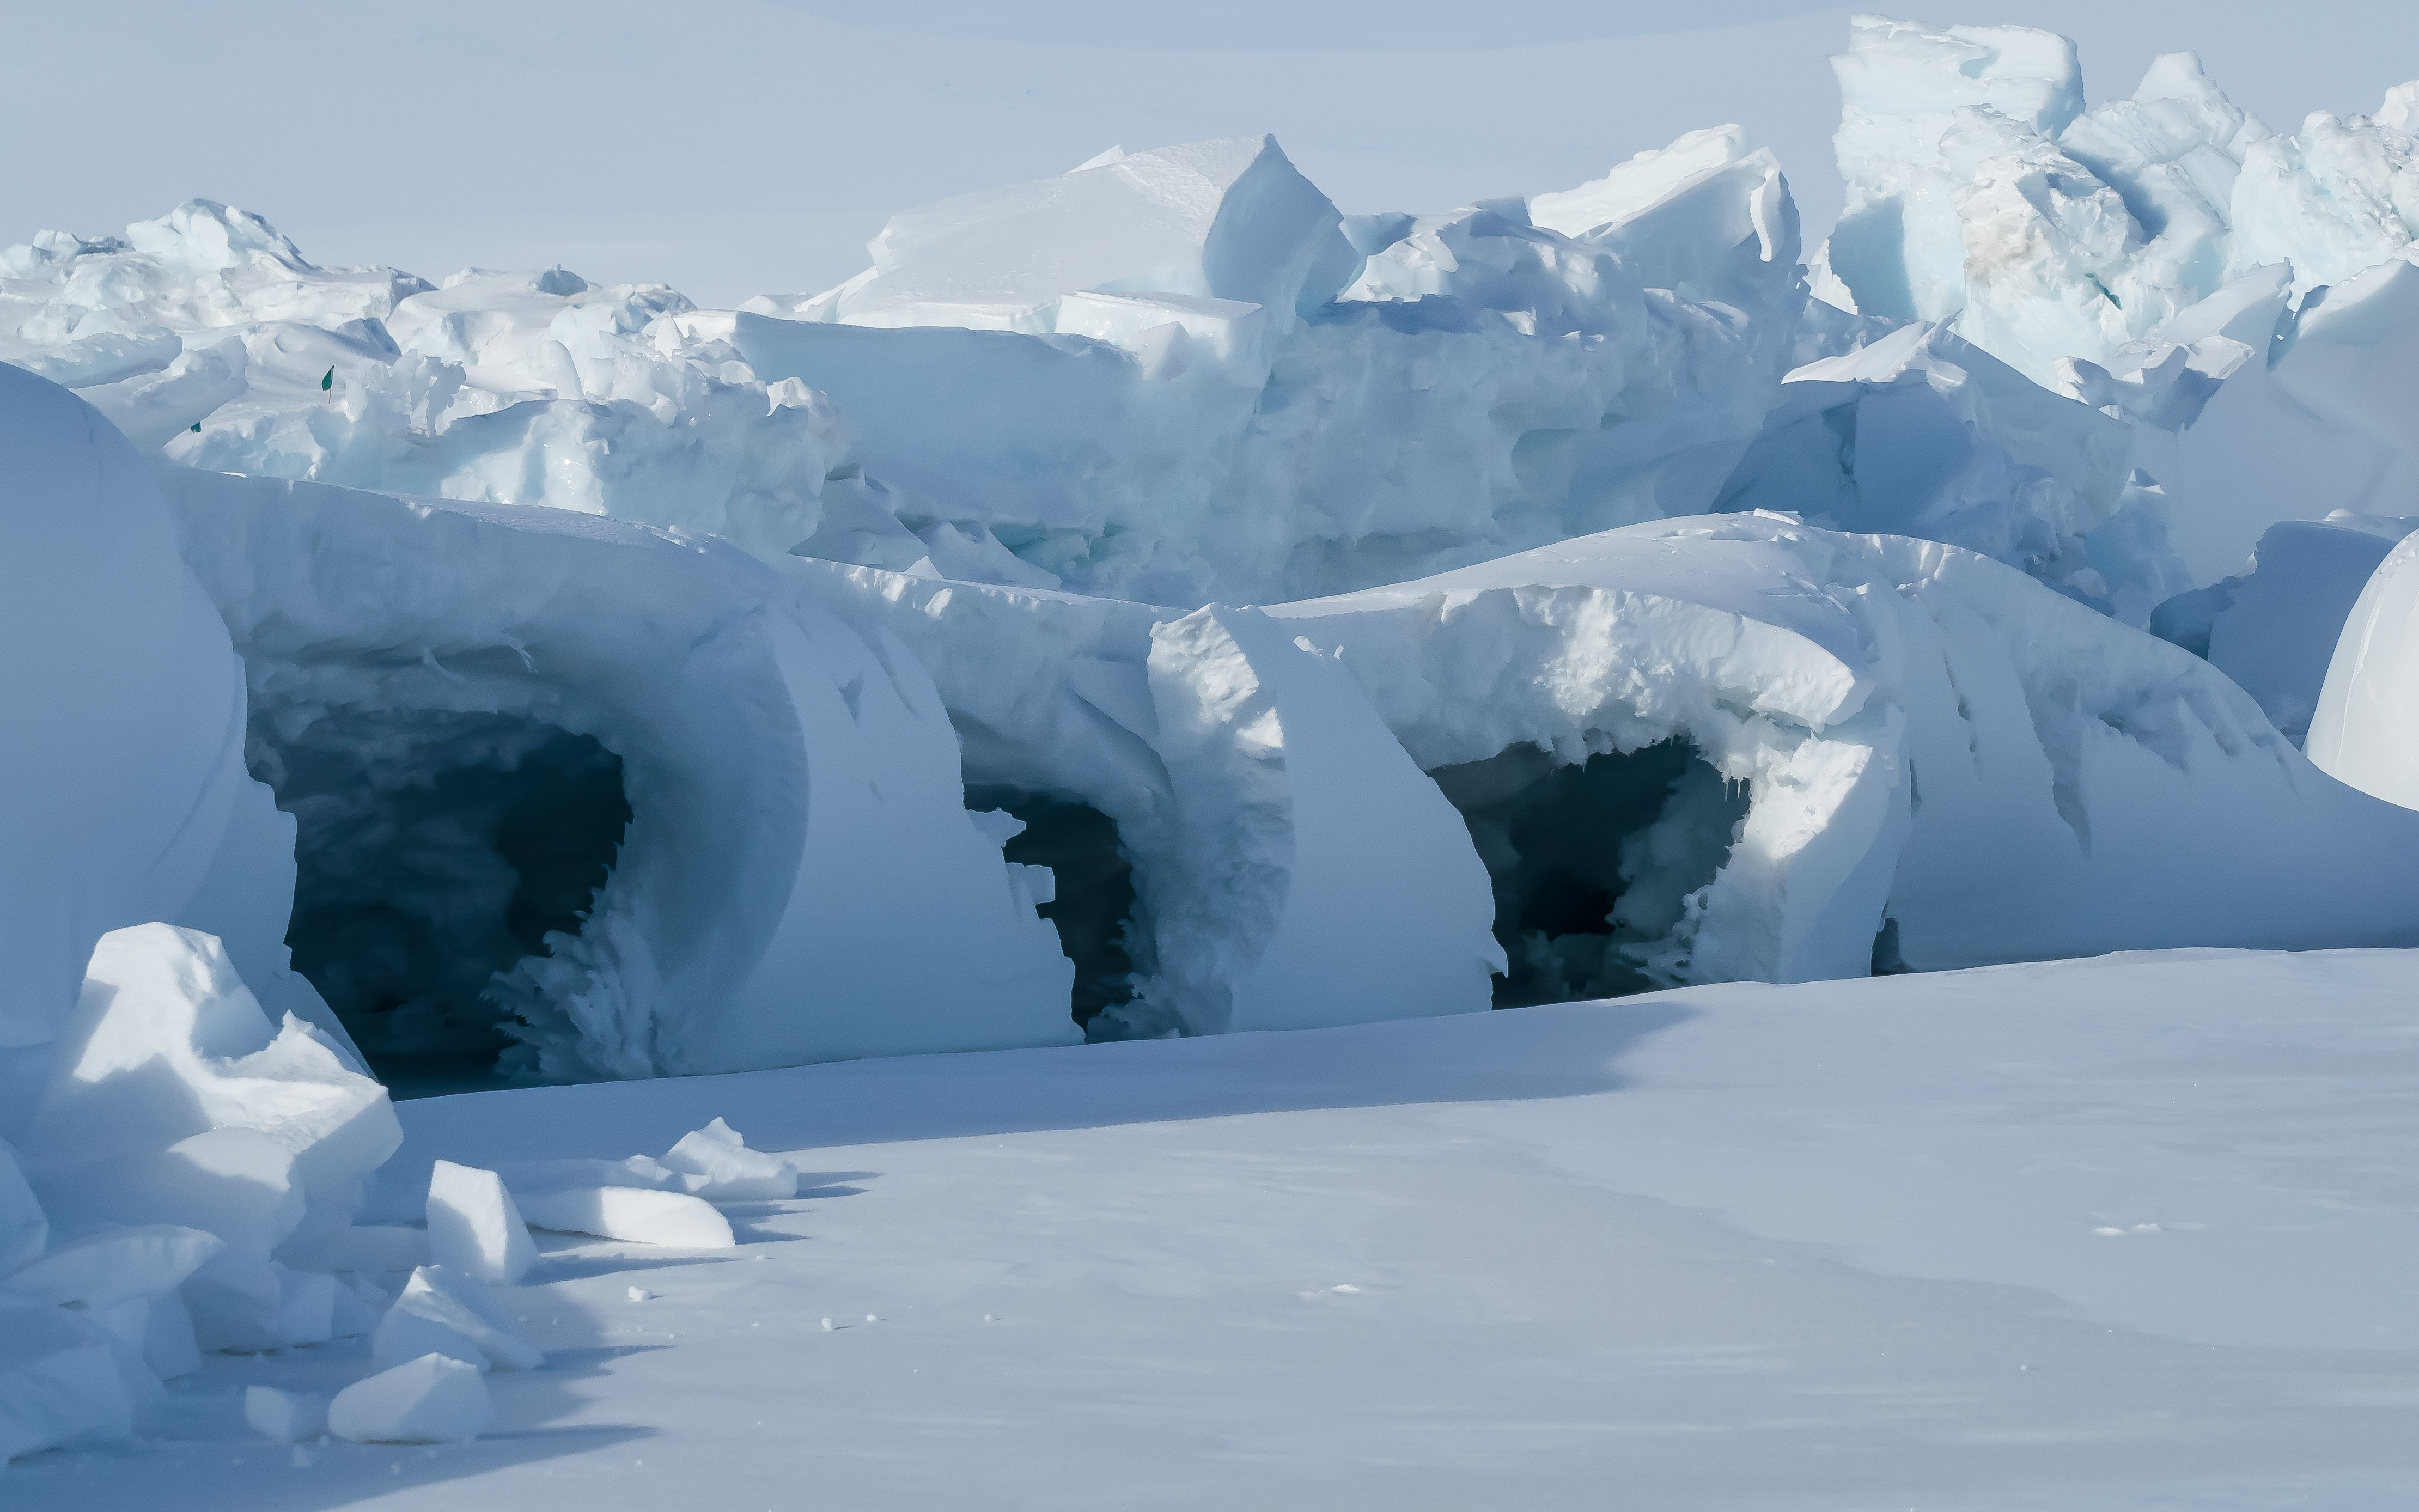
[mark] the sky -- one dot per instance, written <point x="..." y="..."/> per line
<point x="731" y="147"/>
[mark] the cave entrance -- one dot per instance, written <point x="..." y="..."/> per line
<point x="1094" y="908"/>
<point x="1587" y="859"/>
<point x="433" y="850"/>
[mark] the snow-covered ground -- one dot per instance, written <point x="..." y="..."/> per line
<point x="2133" y="1232"/>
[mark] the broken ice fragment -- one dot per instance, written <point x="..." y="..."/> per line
<point x="433" y="1399"/>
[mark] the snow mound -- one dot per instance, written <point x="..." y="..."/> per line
<point x="1895" y="708"/>
<point x="123" y="739"/>
<point x="190" y="1175"/>
<point x="742" y="818"/>
<point x="2363" y="730"/>
<point x="2273" y="630"/>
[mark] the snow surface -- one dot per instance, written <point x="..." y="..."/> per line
<point x="2115" y="1233"/>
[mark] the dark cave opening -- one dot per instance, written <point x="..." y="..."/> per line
<point x="1094" y="908"/>
<point x="1588" y="859"/>
<point x="433" y="850"/>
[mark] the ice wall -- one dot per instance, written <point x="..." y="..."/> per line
<point x="2166" y="257"/>
<point x="798" y="880"/>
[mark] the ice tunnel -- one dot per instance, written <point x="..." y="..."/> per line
<point x="579" y="799"/>
<point x="1594" y="864"/>
<point x="1872" y="713"/>
<point x="1289" y="866"/>
<point x="1092" y="890"/>
<point x="433" y="850"/>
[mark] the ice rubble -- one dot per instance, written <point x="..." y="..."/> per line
<point x="190" y="1177"/>
<point x="2145" y="254"/>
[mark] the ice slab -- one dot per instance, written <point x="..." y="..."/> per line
<point x="432" y="1400"/>
<point x="284" y="1416"/>
<point x="446" y="1311"/>
<point x="632" y="1213"/>
<point x="475" y="1228"/>
<point x="733" y="1172"/>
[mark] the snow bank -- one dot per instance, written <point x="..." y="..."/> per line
<point x="798" y="879"/>
<point x="1290" y="868"/>
<point x="2363" y="730"/>
<point x="1896" y="708"/>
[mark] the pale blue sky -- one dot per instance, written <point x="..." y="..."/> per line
<point x="734" y="146"/>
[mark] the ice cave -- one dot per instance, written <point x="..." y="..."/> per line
<point x="1157" y="605"/>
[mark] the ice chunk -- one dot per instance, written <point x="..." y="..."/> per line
<point x="2274" y="630"/>
<point x="167" y="1044"/>
<point x="446" y="1312"/>
<point x="1923" y="434"/>
<point x="59" y="1381"/>
<point x="2367" y="727"/>
<point x="432" y="1400"/>
<point x="114" y="1267"/>
<point x="284" y="1416"/>
<point x="733" y="1172"/>
<point x="633" y="1214"/>
<point x="1903" y="84"/>
<point x="1227" y="220"/>
<point x="475" y="1228"/>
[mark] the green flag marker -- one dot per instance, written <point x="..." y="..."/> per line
<point x="327" y="384"/>
<point x="197" y="427"/>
